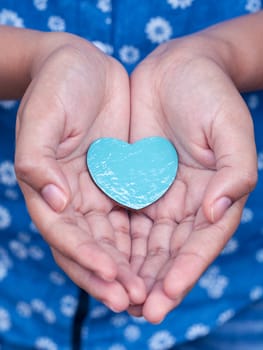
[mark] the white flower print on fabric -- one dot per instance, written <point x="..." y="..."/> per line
<point x="24" y="237"/>
<point x="231" y="247"/>
<point x="260" y="161"/>
<point x="44" y="343"/>
<point x="68" y="305"/>
<point x="132" y="333"/>
<point x="253" y="5"/>
<point x="57" y="278"/>
<point x="99" y="311"/>
<point x="11" y="194"/>
<point x="247" y="216"/>
<point x="18" y="249"/>
<point x="56" y="24"/>
<point x="253" y="101"/>
<point x="40" y="5"/>
<point x="180" y="3"/>
<point x="158" y="30"/>
<point x="225" y="316"/>
<point x="161" y="340"/>
<point x="106" y="48"/>
<point x="11" y="18"/>
<point x="139" y="320"/>
<point x="5" y="218"/>
<point x="8" y="104"/>
<point x="259" y="256"/>
<point x="22" y="250"/>
<point x="104" y="5"/>
<point x="24" y="309"/>
<point x="119" y="320"/>
<point x="36" y="253"/>
<point x="7" y="173"/>
<point x="197" y="330"/>
<point x="5" y="320"/>
<point x="256" y="293"/>
<point x="117" y="347"/>
<point x="38" y="305"/>
<point x="5" y="263"/>
<point x="49" y="316"/>
<point x="108" y="20"/>
<point x="213" y="282"/>
<point x="129" y="54"/>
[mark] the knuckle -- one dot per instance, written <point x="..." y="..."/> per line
<point x="157" y="251"/>
<point x="250" y="179"/>
<point x="24" y="166"/>
<point x="107" y="241"/>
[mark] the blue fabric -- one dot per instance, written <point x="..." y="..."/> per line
<point x="244" y="332"/>
<point x="37" y="301"/>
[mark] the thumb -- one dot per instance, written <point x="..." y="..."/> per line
<point x="36" y="165"/>
<point x="236" y="166"/>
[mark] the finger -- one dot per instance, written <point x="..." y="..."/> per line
<point x="157" y="295"/>
<point x="135" y="310"/>
<point x="203" y="245"/>
<point x="158" y="251"/>
<point x="236" y="163"/>
<point x="146" y="108"/>
<point x="120" y="222"/>
<point x="112" y="294"/>
<point x="104" y="233"/>
<point x="40" y="128"/>
<point x="70" y="235"/>
<point x="140" y="231"/>
<point x="155" y="314"/>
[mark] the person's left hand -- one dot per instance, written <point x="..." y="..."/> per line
<point x="184" y="95"/>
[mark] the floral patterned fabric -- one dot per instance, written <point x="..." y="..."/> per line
<point x="38" y="302"/>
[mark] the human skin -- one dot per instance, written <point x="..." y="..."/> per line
<point x="167" y="245"/>
<point x="72" y="94"/>
<point x="188" y="90"/>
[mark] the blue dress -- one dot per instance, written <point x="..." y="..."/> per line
<point x="40" y="308"/>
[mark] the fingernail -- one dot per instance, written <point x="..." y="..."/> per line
<point x="54" y="197"/>
<point x="111" y="307"/>
<point x="219" y="208"/>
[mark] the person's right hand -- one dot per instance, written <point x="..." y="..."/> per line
<point x="182" y="91"/>
<point x="77" y="94"/>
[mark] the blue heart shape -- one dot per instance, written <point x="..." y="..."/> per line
<point x="134" y="175"/>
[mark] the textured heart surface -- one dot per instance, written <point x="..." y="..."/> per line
<point x="134" y="175"/>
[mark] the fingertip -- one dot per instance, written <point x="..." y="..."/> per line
<point x="118" y="301"/>
<point x="154" y="315"/>
<point x="158" y="305"/>
<point x="137" y="292"/>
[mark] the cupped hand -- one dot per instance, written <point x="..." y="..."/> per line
<point x="183" y="93"/>
<point x="77" y="94"/>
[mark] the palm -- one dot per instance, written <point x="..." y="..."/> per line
<point x="100" y="230"/>
<point x="176" y="238"/>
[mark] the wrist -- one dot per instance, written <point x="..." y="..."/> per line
<point x="239" y="48"/>
<point x="234" y="45"/>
